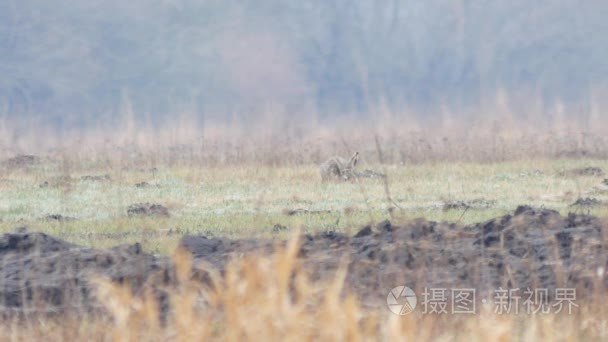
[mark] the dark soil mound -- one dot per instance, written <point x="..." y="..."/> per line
<point x="531" y="248"/>
<point x="147" y="209"/>
<point x="42" y="274"/>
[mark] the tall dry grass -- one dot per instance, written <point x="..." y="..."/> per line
<point x="269" y="143"/>
<point x="496" y="130"/>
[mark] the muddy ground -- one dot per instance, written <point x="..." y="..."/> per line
<point x="530" y="248"/>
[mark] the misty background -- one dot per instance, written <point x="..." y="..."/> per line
<point x="67" y="63"/>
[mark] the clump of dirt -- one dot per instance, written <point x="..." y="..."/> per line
<point x="589" y="171"/>
<point x="144" y="185"/>
<point x="96" y="178"/>
<point x="478" y="203"/>
<point x="586" y="202"/>
<point x="59" y="218"/>
<point x="147" y="209"/>
<point x="455" y="205"/>
<point x="21" y="161"/>
<point x="43" y="274"/>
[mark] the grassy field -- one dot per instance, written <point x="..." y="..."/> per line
<point x="249" y="201"/>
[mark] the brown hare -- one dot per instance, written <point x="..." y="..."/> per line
<point x="338" y="168"/>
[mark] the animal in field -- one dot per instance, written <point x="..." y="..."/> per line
<point x="338" y="168"/>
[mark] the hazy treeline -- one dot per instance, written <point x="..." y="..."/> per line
<point x="76" y="61"/>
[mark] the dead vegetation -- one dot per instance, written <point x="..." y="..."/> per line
<point x="403" y="142"/>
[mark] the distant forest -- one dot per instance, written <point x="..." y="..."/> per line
<point x="72" y="61"/>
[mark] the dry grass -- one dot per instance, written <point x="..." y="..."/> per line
<point x="278" y="138"/>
